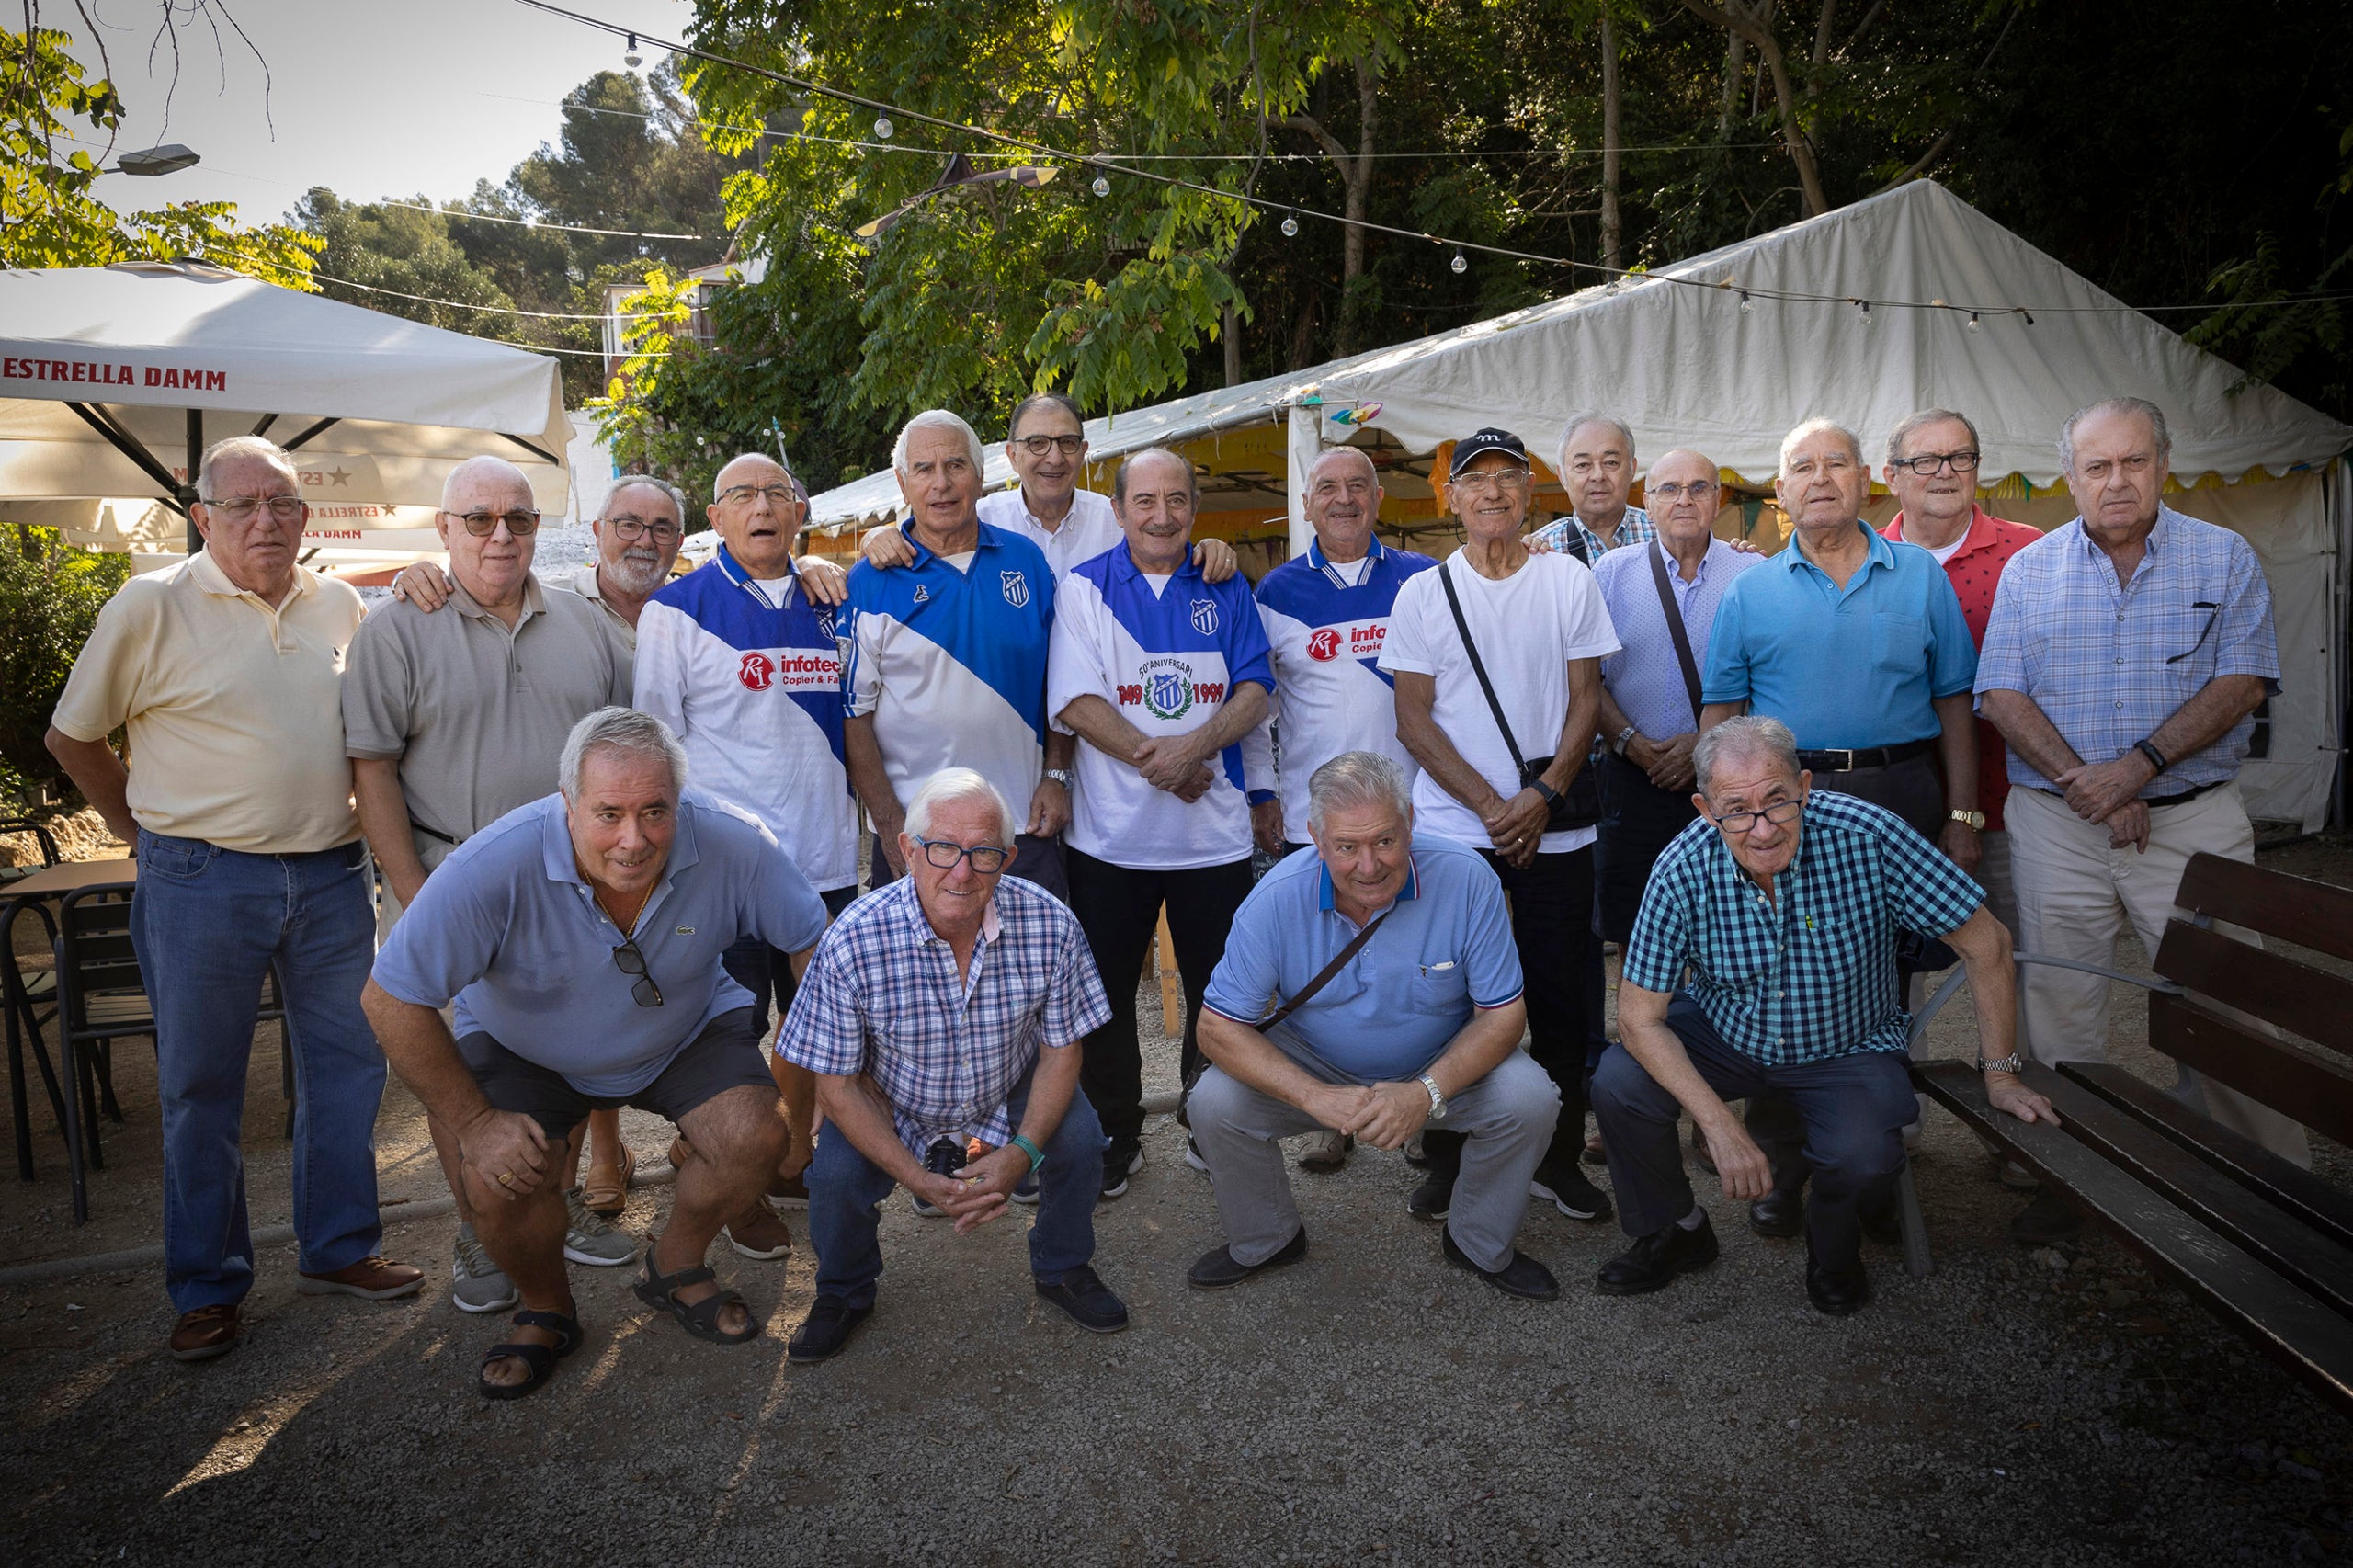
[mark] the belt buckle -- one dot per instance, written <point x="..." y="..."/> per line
<point x="1847" y="766"/>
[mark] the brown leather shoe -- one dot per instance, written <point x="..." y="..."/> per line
<point x="205" y="1333"/>
<point x="758" y="1233"/>
<point x="372" y="1277"/>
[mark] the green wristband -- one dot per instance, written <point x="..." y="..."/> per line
<point x="1036" y="1156"/>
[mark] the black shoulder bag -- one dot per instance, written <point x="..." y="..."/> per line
<point x="1675" y="626"/>
<point x="1578" y="806"/>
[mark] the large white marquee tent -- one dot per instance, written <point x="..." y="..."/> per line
<point x="1704" y="367"/>
<point x="113" y="379"/>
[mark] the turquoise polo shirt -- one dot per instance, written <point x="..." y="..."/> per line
<point x="1445" y="949"/>
<point x="510" y="928"/>
<point x="1845" y="669"/>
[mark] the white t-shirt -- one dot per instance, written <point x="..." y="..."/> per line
<point x="1528" y="626"/>
<point x="1087" y="529"/>
<point x="1946" y="553"/>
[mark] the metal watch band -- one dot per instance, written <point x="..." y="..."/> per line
<point x="1438" y="1096"/>
<point x="1060" y="776"/>
<point x="2012" y="1064"/>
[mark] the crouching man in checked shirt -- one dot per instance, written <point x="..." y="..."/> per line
<point x="1763" y="961"/>
<point x="945" y="1006"/>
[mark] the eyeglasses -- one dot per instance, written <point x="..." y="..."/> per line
<point x="1932" y="462"/>
<point x="482" y="525"/>
<point x="1503" y="479"/>
<point x="777" y="495"/>
<point x="241" y="508"/>
<point x="1779" y="815"/>
<point x="628" y="960"/>
<point x="1038" y="446"/>
<point x="988" y="860"/>
<point x="1699" y="490"/>
<point x="628" y="527"/>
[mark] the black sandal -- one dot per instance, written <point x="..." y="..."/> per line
<point x="540" y="1358"/>
<point x="656" y="1288"/>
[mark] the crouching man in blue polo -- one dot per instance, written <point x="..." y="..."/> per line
<point x="947" y="1006"/>
<point x="1371" y="988"/>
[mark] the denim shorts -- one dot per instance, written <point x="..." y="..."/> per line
<point x="726" y="1055"/>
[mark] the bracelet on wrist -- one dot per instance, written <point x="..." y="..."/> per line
<point x="2156" y="759"/>
<point x="1036" y="1156"/>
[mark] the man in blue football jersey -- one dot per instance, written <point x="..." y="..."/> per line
<point x="1162" y="674"/>
<point x="944" y="659"/>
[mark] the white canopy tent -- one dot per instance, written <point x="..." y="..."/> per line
<point x="1706" y="367"/>
<point x="114" y="379"/>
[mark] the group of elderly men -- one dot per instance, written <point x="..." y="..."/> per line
<point x="1764" y="778"/>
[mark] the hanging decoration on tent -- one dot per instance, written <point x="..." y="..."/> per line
<point x="959" y="173"/>
<point x="1362" y="414"/>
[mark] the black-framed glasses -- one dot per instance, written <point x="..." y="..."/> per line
<point x="777" y="495"/>
<point x="630" y="961"/>
<point x="629" y="528"/>
<point x="1038" y="446"/>
<point x="519" y="523"/>
<point x="2212" y="612"/>
<point x="241" y="508"/>
<point x="1927" y="463"/>
<point x="988" y="860"/>
<point x="1779" y="815"/>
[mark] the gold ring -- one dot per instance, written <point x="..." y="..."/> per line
<point x="507" y="1178"/>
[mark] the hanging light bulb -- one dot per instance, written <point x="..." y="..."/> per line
<point x="1458" y="264"/>
<point x="1973" y="321"/>
<point x="1102" y="186"/>
<point x="882" y="128"/>
<point x="632" y="58"/>
<point x="1291" y="226"/>
<point x="1865" y="305"/>
<point x="1747" y="305"/>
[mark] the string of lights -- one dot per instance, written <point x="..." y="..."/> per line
<point x="1105" y="165"/>
<point x="461" y="304"/>
<point x="538" y="222"/>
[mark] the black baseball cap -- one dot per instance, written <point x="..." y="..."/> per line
<point x="1485" y="441"/>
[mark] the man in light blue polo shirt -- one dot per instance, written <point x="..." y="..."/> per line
<point x="1372" y="988"/>
<point x="1859" y="645"/>
<point x="580" y="937"/>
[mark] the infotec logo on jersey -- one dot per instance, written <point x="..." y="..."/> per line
<point x="790" y="672"/>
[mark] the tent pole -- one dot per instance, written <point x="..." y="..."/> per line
<point x="188" y="488"/>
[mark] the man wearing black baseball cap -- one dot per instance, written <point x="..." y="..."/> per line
<point x="1496" y="658"/>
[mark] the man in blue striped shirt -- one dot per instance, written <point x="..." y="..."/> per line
<point x="1764" y="963"/>
<point x="2124" y="664"/>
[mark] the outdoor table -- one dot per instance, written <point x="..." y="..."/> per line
<point x="36" y="892"/>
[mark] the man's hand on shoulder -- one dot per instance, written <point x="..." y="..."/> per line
<point x="886" y="548"/>
<point x="423" y="583"/>
<point x="1216" y="559"/>
<point x="824" y="581"/>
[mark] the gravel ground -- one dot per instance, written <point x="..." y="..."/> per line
<point x="2052" y="1407"/>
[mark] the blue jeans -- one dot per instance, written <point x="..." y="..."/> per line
<point x="1854" y="1108"/>
<point x="846" y="1191"/>
<point x="206" y="923"/>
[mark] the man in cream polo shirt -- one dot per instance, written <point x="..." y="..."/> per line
<point x="227" y="673"/>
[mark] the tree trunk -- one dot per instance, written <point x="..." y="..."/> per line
<point x="1785" y="97"/>
<point x="1735" y="64"/>
<point x="1233" y="346"/>
<point x="1611" y="251"/>
<point x="1356" y="182"/>
<point x="1821" y="47"/>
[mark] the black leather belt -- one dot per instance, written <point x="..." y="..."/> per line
<point x="1856" y="761"/>
<point x="2183" y="799"/>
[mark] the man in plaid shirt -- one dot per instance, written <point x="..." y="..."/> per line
<point x="1763" y="962"/>
<point x="943" y="1009"/>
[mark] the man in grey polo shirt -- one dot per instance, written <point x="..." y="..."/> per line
<point x="453" y="720"/>
<point x="579" y="937"/>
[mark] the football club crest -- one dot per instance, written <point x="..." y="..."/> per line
<point x="825" y="623"/>
<point x="1167" y="695"/>
<point x="922" y="594"/>
<point x="1205" y="617"/>
<point x="1017" y="589"/>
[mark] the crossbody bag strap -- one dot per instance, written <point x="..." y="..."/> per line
<point x="1675" y="626"/>
<point x="1324" y="976"/>
<point x="1519" y="763"/>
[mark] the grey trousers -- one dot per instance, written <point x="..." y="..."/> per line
<point x="1509" y="1116"/>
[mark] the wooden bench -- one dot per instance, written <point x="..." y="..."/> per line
<point x="2268" y="1246"/>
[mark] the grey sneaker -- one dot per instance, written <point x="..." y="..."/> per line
<point x="588" y="1239"/>
<point x="476" y="1284"/>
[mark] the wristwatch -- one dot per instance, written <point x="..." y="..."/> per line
<point x="1438" y="1096"/>
<point x="1974" y="819"/>
<point x="1060" y="776"/>
<point x="1622" y="739"/>
<point x="2013" y="1063"/>
<point x="1551" y="796"/>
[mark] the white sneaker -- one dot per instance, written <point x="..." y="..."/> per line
<point x="476" y="1284"/>
<point x="588" y="1239"/>
<point x="1193" y="1156"/>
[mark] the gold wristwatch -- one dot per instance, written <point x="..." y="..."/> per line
<point x="1974" y="819"/>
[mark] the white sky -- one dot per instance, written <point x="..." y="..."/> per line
<point x="370" y="97"/>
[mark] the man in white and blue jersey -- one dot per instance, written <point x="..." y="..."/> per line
<point x="740" y="661"/>
<point x="1162" y="674"/>
<point x="944" y="660"/>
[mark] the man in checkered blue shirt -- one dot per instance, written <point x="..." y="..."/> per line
<point x="1763" y="962"/>
<point x="1596" y="466"/>
<point x="941" y="1012"/>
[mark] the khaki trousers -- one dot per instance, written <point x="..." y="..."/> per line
<point x="2073" y="895"/>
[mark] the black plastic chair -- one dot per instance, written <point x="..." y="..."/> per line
<point x="101" y="998"/>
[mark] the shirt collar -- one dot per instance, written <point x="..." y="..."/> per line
<point x="204" y="569"/>
<point x="1881" y="552"/>
<point x="1979" y="537"/>
<point x="465" y="604"/>
<point x="1318" y="561"/>
<point x="1412" y="888"/>
<point x="1123" y="562"/>
<point x="988" y="538"/>
<point x="992" y="925"/>
<point x="733" y="570"/>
